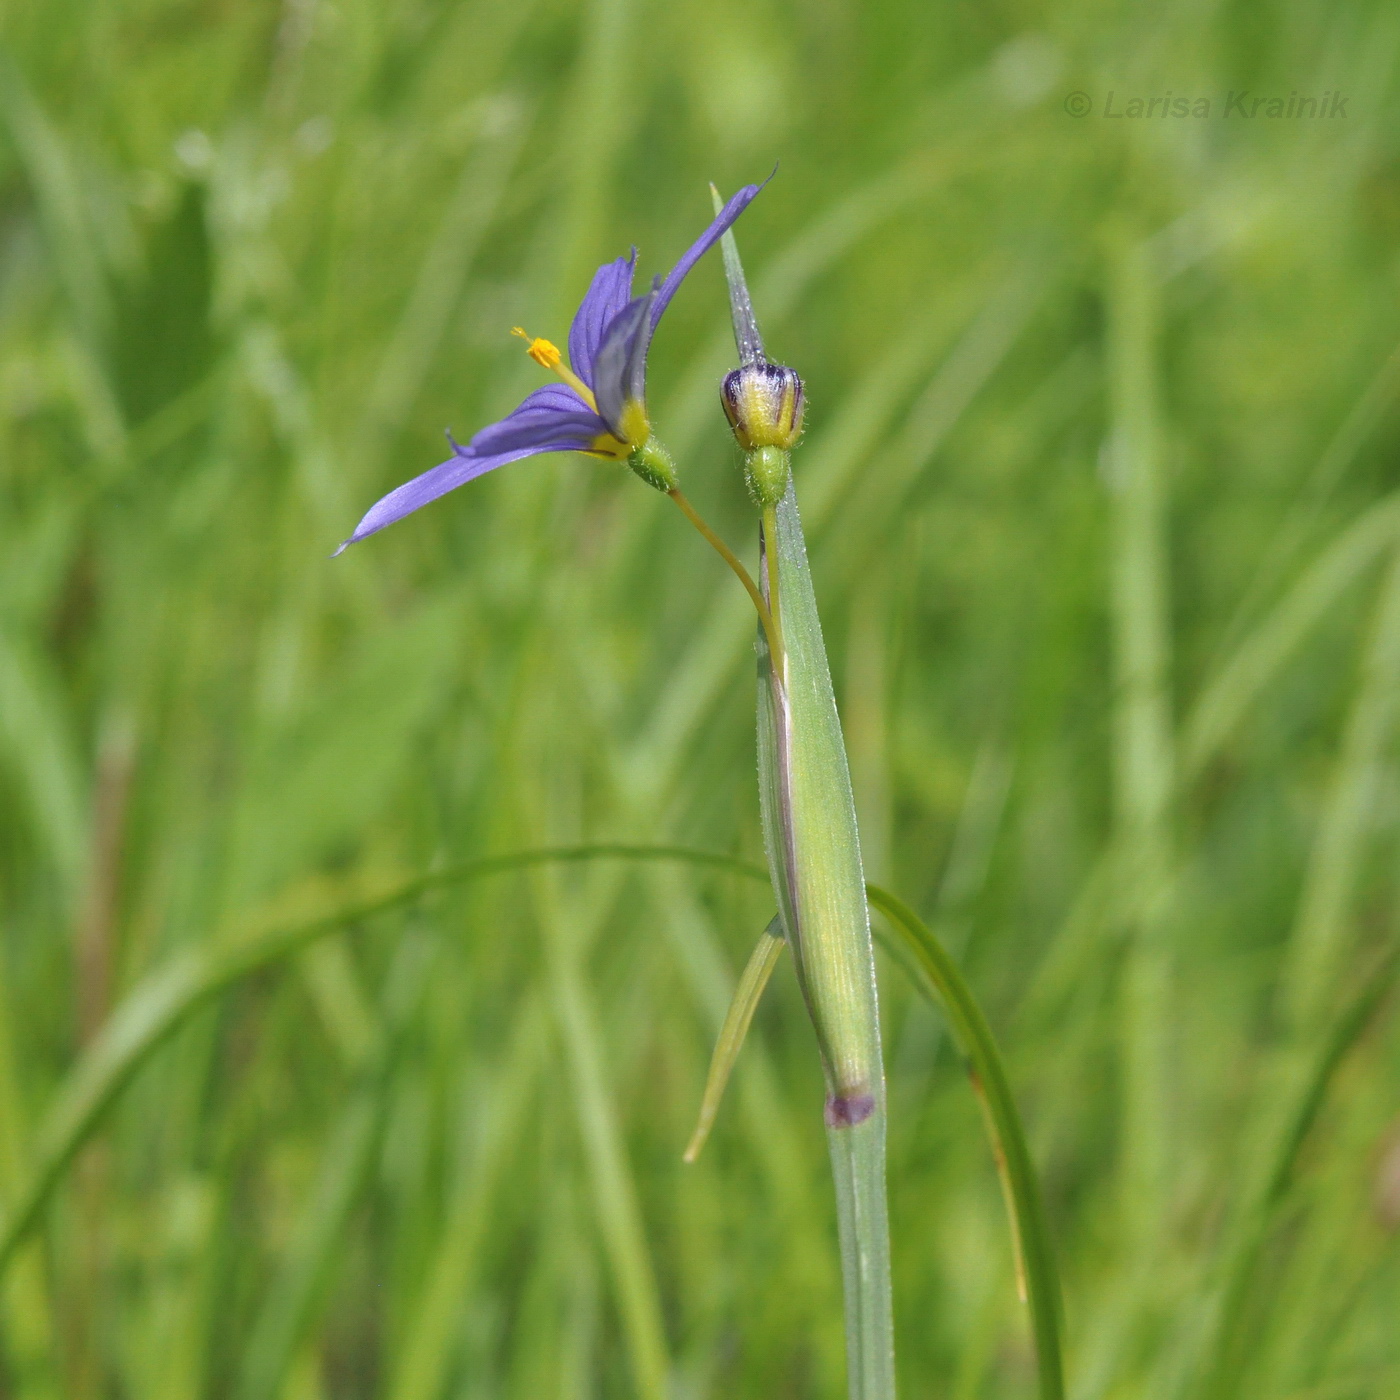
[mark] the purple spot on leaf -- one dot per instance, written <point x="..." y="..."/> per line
<point x="846" y="1110"/>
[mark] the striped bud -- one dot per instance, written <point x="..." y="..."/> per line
<point x="763" y="403"/>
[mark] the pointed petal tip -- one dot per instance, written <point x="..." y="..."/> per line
<point x="719" y="226"/>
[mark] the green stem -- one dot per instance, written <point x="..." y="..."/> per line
<point x="862" y="1217"/>
<point x="814" y="856"/>
<point x="770" y="532"/>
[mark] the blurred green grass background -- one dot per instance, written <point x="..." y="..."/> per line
<point x="1099" y="484"/>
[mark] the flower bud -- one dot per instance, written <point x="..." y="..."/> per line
<point x="763" y="403"/>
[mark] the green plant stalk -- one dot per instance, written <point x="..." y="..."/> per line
<point x="813" y="847"/>
<point x="814" y="858"/>
<point x="858" y="1168"/>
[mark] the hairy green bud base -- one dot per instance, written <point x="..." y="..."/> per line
<point x="766" y="471"/>
<point x="653" y="464"/>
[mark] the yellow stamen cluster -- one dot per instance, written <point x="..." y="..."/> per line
<point x="546" y="354"/>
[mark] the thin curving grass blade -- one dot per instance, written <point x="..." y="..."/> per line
<point x="747" y="994"/>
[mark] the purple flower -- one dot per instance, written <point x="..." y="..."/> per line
<point x="600" y="408"/>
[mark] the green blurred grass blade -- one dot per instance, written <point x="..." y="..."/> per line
<point x="921" y="955"/>
<point x="1143" y="742"/>
<point x="1293" y="1086"/>
<point x="1350" y="811"/>
<point x="980" y="821"/>
<point x="289" y="1307"/>
<point x="593" y="127"/>
<point x="771" y="1124"/>
<point x="326" y="766"/>
<point x="59" y="196"/>
<point x="747" y="995"/>
<point x="1307" y="1079"/>
<point x="1224" y="701"/>
<point x="39" y="747"/>
<point x="1365" y="417"/>
<point x="982" y="348"/>
<point x="350" y="1020"/>
<point x="30" y="1340"/>
<point x="615" y="1196"/>
<point x="425" y="1357"/>
<point x="168" y="996"/>
<point x="437" y="290"/>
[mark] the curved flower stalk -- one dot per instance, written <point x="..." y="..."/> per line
<point x="598" y="408"/>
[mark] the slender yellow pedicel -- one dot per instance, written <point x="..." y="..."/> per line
<point x="740" y="572"/>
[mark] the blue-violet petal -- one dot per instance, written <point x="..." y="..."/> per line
<point x="607" y="294"/>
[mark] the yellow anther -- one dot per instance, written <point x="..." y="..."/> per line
<point x="545" y="353"/>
